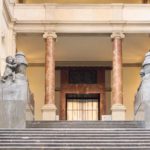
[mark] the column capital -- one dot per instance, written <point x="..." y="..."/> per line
<point x="50" y="34"/>
<point x="119" y="35"/>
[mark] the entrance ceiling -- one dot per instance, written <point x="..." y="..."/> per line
<point x="83" y="1"/>
<point x="84" y="47"/>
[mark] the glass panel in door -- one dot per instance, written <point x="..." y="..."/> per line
<point x="82" y="108"/>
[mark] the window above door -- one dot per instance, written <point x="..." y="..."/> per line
<point x="82" y="76"/>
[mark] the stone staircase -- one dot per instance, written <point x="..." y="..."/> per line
<point x="63" y="135"/>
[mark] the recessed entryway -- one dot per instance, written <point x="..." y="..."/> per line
<point x="82" y="107"/>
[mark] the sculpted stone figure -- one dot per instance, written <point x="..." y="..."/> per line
<point x="21" y="63"/>
<point x="16" y="100"/>
<point x="15" y="67"/>
<point x="10" y="68"/>
<point x="142" y="98"/>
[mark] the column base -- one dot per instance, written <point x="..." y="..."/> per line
<point x="49" y="112"/>
<point x="118" y="112"/>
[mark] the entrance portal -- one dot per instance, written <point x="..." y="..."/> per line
<point x="82" y="106"/>
<point x="82" y="93"/>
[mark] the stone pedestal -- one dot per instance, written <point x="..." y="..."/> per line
<point x="142" y="103"/>
<point x="15" y="94"/>
<point x="12" y="114"/>
<point x="14" y="98"/>
<point x="49" y="112"/>
<point x="118" y="112"/>
<point x="147" y="114"/>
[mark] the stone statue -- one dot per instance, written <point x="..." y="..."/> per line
<point x="16" y="100"/>
<point x="15" y="67"/>
<point x="21" y="63"/>
<point x="142" y="98"/>
<point x="10" y="68"/>
<point x="146" y="65"/>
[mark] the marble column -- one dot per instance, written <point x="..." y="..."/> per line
<point x="118" y="109"/>
<point x="49" y="109"/>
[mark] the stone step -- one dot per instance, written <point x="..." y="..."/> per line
<point x="17" y="141"/>
<point x="84" y="124"/>
<point x="74" y="144"/>
<point x="76" y="130"/>
<point x="76" y="134"/>
<point x="76" y="138"/>
<point x="66" y="126"/>
<point x="82" y="137"/>
<point x="67" y="132"/>
<point x="76" y="148"/>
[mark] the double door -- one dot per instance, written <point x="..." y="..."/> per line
<point x="83" y="107"/>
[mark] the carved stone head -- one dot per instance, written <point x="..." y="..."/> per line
<point x="9" y="60"/>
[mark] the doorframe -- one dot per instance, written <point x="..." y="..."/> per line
<point x="67" y="88"/>
<point x="97" y="101"/>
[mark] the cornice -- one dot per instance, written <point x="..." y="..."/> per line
<point x="77" y="5"/>
<point x="83" y="27"/>
<point x="81" y="22"/>
<point x="44" y="24"/>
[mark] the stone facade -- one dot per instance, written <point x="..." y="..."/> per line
<point x="88" y="18"/>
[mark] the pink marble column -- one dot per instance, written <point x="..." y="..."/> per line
<point x="50" y="68"/>
<point x="117" y="68"/>
<point x="118" y="109"/>
<point x="49" y="109"/>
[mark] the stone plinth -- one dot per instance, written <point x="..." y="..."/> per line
<point x="14" y="101"/>
<point x="17" y="90"/>
<point x="49" y="112"/>
<point x="118" y="112"/>
<point x="143" y="96"/>
<point x="12" y="114"/>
